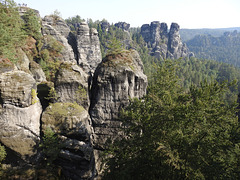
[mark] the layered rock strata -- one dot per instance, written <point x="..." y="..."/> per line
<point x="88" y="46"/>
<point x="20" y="112"/>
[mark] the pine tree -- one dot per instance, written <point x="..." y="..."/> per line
<point x="11" y="34"/>
<point x="114" y="46"/>
<point x="173" y="134"/>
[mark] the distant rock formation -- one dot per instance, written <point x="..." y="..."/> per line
<point x="164" y="44"/>
<point x="105" y="26"/>
<point x="123" y="25"/>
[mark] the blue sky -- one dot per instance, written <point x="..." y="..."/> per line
<point x="187" y="13"/>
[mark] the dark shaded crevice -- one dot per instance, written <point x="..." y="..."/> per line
<point x="43" y="93"/>
<point x="72" y="40"/>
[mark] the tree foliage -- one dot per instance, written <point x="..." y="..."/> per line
<point x="11" y="35"/>
<point x="50" y="146"/>
<point x="173" y="134"/>
<point x="225" y="48"/>
<point x="32" y="25"/>
<point x="114" y="47"/>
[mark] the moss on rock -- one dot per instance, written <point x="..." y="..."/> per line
<point x="63" y="117"/>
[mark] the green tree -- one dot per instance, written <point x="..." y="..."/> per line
<point x="11" y="34"/>
<point x="72" y="21"/>
<point x="50" y="146"/>
<point x="173" y="134"/>
<point x="114" y="46"/>
<point x="32" y="26"/>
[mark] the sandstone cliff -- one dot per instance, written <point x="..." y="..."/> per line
<point x="20" y="112"/>
<point x="117" y="79"/>
<point x="164" y="44"/>
<point x="81" y="105"/>
<point x="88" y="46"/>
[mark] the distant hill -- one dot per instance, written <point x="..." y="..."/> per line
<point x="225" y="48"/>
<point x="187" y="34"/>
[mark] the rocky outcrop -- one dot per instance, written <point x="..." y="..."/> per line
<point x="69" y="118"/>
<point x="81" y="106"/>
<point x="58" y="29"/>
<point x="117" y="79"/>
<point x="122" y="25"/>
<point x="6" y="65"/>
<point x="71" y="85"/>
<point x="37" y="72"/>
<point x="88" y="48"/>
<point x="72" y="123"/>
<point x="164" y="44"/>
<point x="176" y="48"/>
<point x="20" y="112"/>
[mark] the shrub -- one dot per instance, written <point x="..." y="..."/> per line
<point x="34" y="96"/>
<point x="2" y="153"/>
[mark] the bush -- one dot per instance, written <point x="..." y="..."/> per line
<point x="2" y="153"/>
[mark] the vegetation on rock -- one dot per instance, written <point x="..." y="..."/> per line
<point x="12" y="36"/>
<point x="34" y="96"/>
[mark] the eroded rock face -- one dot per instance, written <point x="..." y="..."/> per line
<point x="16" y="88"/>
<point x="20" y="112"/>
<point x="58" y="29"/>
<point x="71" y="85"/>
<point x="164" y="44"/>
<point x="20" y="129"/>
<point x="118" y="78"/>
<point x="88" y="48"/>
<point x="72" y="123"/>
<point x="176" y="48"/>
<point x="37" y="72"/>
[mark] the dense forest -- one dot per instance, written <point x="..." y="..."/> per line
<point x="186" y="127"/>
<point x="223" y="49"/>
